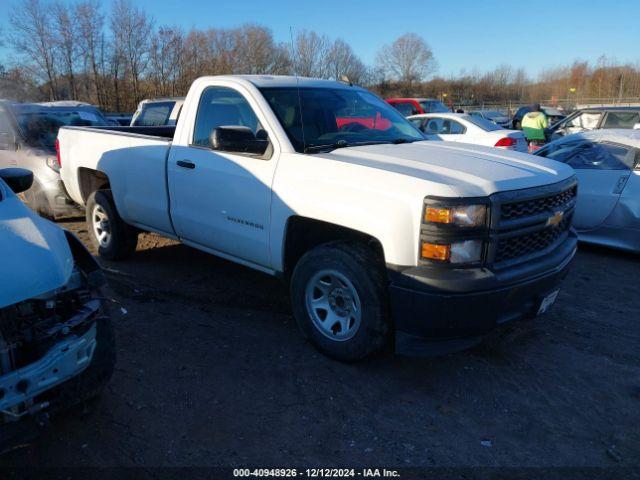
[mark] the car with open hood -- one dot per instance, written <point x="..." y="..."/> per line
<point x="56" y="339"/>
<point x="607" y="164"/>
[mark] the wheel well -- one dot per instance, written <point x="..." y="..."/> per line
<point x="304" y="234"/>
<point x="90" y="181"/>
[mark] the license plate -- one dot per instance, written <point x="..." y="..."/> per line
<point x="547" y="302"/>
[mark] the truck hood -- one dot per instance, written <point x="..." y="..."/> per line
<point x="468" y="170"/>
<point x="36" y="256"/>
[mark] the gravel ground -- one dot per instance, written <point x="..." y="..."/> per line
<point x="213" y="372"/>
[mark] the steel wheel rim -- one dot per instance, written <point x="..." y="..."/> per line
<point x="101" y="226"/>
<point x="334" y="305"/>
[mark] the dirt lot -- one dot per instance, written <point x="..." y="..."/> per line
<point x="212" y="371"/>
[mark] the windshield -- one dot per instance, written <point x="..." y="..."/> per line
<point x="40" y="126"/>
<point x="483" y="123"/>
<point x="337" y="117"/>
<point x="433" y="106"/>
<point x="585" y="154"/>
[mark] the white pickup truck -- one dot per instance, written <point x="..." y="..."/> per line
<point x="380" y="234"/>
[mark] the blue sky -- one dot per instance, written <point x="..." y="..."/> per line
<point x="463" y="34"/>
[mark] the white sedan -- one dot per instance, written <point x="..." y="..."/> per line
<point x="460" y="127"/>
<point x="607" y="163"/>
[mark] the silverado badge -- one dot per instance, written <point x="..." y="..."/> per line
<point x="555" y="219"/>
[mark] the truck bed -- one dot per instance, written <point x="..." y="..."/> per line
<point x="164" y="131"/>
<point x="133" y="159"/>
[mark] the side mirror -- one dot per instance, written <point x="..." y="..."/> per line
<point x="18" y="179"/>
<point x="238" y="139"/>
<point x="7" y="141"/>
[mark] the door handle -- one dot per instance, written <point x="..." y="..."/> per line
<point x="186" y="164"/>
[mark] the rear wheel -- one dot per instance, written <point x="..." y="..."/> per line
<point x="339" y="300"/>
<point x="110" y="235"/>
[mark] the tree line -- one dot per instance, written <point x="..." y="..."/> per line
<point x="113" y="60"/>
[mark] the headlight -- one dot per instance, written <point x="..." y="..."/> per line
<point x="463" y="252"/>
<point x="466" y="216"/>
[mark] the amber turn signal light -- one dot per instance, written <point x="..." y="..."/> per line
<point x="433" y="251"/>
<point x="438" y="215"/>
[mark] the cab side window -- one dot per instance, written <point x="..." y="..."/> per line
<point x="222" y="106"/>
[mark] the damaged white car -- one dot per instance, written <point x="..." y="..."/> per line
<point x="607" y="164"/>
<point x="56" y="340"/>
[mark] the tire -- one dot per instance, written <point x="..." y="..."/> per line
<point x="37" y="201"/>
<point x="92" y="381"/>
<point x="121" y="239"/>
<point x="341" y="279"/>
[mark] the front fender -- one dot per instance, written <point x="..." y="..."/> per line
<point x="390" y="213"/>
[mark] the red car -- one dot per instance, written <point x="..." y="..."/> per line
<point x="414" y="106"/>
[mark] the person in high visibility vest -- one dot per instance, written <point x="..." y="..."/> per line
<point x="534" y="124"/>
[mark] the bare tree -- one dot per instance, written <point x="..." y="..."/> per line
<point x="166" y="55"/>
<point x="342" y="61"/>
<point x="90" y="23"/>
<point x="66" y="32"/>
<point x="254" y="51"/>
<point x="32" y="38"/>
<point x="310" y="54"/>
<point x="131" y="30"/>
<point x="408" y="59"/>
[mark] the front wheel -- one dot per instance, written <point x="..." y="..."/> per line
<point x="339" y="300"/>
<point x="110" y="235"/>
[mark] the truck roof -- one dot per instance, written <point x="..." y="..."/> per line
<point x="264" y="81"/>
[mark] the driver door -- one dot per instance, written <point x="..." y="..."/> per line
<point x="603" y="170"/>
<point x="221" y="200"/>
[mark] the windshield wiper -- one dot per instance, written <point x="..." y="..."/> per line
<point x="328" y="147"/>
<point x="343" y="143"/>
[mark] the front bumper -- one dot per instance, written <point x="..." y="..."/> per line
<point x="63" y="361"/>
<point x="438" y="312"/>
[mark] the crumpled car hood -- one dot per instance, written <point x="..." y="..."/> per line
<point x="34" y="253"/>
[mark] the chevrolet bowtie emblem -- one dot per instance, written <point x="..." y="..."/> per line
<point x="555" y="219"/>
